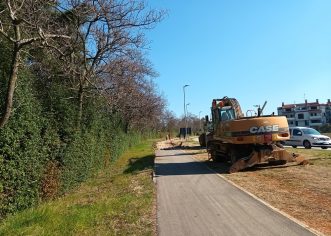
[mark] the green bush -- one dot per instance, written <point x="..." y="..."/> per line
<point x="43" y="154"/>
<point x="22" y="152"/>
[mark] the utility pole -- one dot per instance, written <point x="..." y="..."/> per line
<point x="186" y="121"/>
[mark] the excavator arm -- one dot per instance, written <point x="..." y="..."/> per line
<point x="266" y="154"/>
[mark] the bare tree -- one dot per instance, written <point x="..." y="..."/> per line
<point x="131" y="93"/>
<point x="105" y="31"/>
<point x="27" y="23"/>
<point x="170" y="123"/>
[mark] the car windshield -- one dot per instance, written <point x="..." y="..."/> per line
<point x="310" y="131"/>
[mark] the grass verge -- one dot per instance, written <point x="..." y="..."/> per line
<point x="119" y="200"/>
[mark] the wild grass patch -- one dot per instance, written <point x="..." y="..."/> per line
<point x="118" y="200"/>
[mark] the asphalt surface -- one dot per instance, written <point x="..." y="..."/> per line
<point x="194" y="200"/>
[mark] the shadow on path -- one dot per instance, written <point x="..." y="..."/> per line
<point x="182" y="168"/>
<point x="140" y="164"/>
<point x="180" y="154"/>
<point x="179" y="147"/>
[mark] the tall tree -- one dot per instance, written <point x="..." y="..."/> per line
<point x="105" y="31"/>
<point x="29" y="23"/>
<point x="131" y="92"/>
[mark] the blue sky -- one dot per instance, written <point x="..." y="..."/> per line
<point x="253" y="50"/>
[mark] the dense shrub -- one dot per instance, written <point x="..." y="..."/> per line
<point x="43" y="154"/>
<point x="22" y="152"/>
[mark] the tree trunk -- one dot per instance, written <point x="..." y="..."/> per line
<point x="80" y="104"/>
<point x="11" y="86"/>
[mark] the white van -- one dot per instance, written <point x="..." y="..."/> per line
<point x="307" y="137"/>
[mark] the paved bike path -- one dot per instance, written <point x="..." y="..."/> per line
<point x="194" y="200"/>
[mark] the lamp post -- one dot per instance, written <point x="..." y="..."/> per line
<point x="187" y="104"/>
<point x="186" y="120"/>
<point x="186" y="85"/>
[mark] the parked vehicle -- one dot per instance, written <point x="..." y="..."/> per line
<point x="307" y="137"/>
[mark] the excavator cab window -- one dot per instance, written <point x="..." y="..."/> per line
<point x="226" y="113"/>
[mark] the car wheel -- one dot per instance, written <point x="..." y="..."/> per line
<point x="324" y="147"/>
<point x="294" y="146"/>
<point x="307" y="144"/>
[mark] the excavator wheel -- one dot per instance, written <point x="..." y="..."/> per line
<point x="233" y="156"/>
<point x="202" y="140"/>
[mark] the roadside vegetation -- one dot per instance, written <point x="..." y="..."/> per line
<point x="118" y="200"/>
<point x="76" y="90"/>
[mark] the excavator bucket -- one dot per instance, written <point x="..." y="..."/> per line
<point x="267" y="155"/>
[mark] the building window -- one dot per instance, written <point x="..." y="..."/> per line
<point x="313" y="108"/>
<point x="300" y="116"/>
<point x="315" y="121"/>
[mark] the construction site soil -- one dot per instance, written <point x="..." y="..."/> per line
<point x="303" y="192"/>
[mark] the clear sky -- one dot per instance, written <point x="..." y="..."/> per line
<point x="253" y="50"/>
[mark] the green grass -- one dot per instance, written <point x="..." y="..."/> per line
<point x="117" y="201"/>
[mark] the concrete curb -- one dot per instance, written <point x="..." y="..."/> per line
<point x="263" y="202"/>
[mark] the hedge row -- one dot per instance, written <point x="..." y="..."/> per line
<point x="42" y="152"/>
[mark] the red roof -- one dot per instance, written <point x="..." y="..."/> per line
<point x="305" y="104"/>
<point x="288" y="106"/>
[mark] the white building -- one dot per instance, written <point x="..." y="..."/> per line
<point x="309" y="114"/>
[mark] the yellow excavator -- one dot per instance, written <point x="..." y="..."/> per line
<point x="245" y="141"/>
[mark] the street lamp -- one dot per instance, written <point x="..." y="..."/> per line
<point x="187" y="104"/>
<point x="186" y="120"/>
<point x="186" y="85"/>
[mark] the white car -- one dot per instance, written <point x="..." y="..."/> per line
<point x="307" y="137"/>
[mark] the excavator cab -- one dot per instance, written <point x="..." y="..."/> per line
<point x="226" y="113"/>
<point x="222" y="114"/>
<point x="223" y="110"/>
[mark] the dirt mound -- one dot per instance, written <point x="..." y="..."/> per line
<point x="168" y="144"/>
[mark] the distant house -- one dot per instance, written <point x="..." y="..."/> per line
<point x="309" y="114"/>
